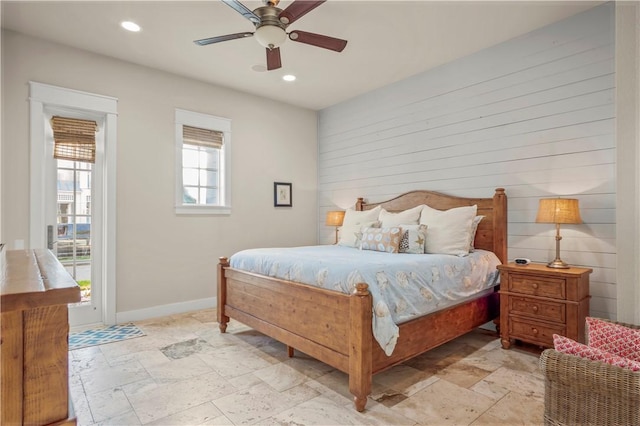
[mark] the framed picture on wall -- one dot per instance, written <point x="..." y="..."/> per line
<point x="282" y="194"/>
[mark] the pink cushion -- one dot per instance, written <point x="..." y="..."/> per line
<point x="614" y="338"/>
<point x="571" y="347"/>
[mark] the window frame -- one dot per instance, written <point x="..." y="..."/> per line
<point x="211" y="122"/>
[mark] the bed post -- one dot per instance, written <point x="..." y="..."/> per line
<point x="360" y="345"/>
<point x="359" y="204"/>
<point x="222" y="294"/>
<point x="500" y="224"/>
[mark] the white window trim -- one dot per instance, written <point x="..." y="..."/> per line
<point x="204" y="121"/>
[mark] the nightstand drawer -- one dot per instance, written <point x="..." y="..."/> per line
<point x="534" y="332"/>
<point x="535" y="308"/>
<point x="538" y="286"/>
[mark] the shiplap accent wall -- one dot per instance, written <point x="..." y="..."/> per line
<point x="534" y="115"/>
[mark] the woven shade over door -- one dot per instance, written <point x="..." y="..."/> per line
<point x="74" y="139"/>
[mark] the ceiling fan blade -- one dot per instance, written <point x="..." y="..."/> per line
<point x="211" y="40"/>
<point x="273" y="59"/>
<point x="243" y="10"/>
<point x="319" y="40"/>
<point x="297" y="10"/>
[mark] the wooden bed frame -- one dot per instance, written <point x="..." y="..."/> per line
<point x="335" y="328"/>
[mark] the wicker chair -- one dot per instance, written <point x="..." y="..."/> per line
<point x="583" y="392"/>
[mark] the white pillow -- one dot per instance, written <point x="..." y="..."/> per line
<point x="449" y="230"/>
<point x="351" y="235"/>
<point x="353" y="217"/>
<point x="474" y="229"/>
<point x="406" y="217"/>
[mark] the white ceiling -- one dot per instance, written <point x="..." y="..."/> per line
<point x="388" y="40"/>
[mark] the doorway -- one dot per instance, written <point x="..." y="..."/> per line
<point x="73" y="202"/>
<point x="78" y="224"/>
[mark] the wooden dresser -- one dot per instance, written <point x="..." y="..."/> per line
<point x="537" y="302"/>
<point x="34" y="338"/>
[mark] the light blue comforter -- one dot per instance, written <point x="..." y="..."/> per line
<point x="403" y="286"/>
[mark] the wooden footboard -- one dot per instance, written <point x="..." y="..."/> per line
<point x="324" y="324"/>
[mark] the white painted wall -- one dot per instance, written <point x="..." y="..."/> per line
<point x="534" y="115"/>
<point x="164" y="259"/>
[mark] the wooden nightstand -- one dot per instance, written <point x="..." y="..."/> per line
<point x="537" y="302"/>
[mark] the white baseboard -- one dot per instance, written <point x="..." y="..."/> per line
<point x="164" y="310"/>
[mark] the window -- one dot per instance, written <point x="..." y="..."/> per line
<point x="203" y="146"/>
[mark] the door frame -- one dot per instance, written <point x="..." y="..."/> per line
<point x="41" y="97"/>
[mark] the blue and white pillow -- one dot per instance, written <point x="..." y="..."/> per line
<point x="381" y="239"/>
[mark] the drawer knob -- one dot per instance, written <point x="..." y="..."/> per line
<point x="534" y="330"/>
<point x="534" y="285"/>
<point x="535" y="308"/>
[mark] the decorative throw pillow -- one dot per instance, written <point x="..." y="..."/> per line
<point x="406" y="217"/>
<point x="614" y="338"/>
<point x="381" y="239"/>
<point x="571" y="347"/>
<point x="413" y="238"/>
<point x="353" y="217"/>
<point x="351" y="235"/>
<point x="474" y="229"/>
<point x="449" y="230"/>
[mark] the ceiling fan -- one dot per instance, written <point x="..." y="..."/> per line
<point x="271" y="24"/>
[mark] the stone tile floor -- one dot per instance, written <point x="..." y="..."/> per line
<point x="185" y="372"/>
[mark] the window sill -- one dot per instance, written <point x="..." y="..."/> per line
<point x="203" y="210"/>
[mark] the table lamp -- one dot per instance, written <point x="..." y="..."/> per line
<point x="335" y="218"/>
<point x="558" y="210"/>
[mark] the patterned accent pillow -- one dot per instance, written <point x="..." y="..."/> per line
<point x="413" y="239"/>
<point x="381" y="239"/>
<point x="614" y="338"/>
<point x="571" y="347"/>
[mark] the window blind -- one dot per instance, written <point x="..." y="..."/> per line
<point x="74" y="139"/>
<point x="202" y="137"/>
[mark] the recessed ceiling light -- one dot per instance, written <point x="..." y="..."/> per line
<point x="289" y="77"/>
<point x="130" y="26"/>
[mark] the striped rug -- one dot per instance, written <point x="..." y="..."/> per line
<point x="103" y="335"/>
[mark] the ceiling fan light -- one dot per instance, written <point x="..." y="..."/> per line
<point x="270" y="36"/>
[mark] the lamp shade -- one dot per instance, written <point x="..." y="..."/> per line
<point x="335" y="218"/>
<point x="558" y="210"/>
